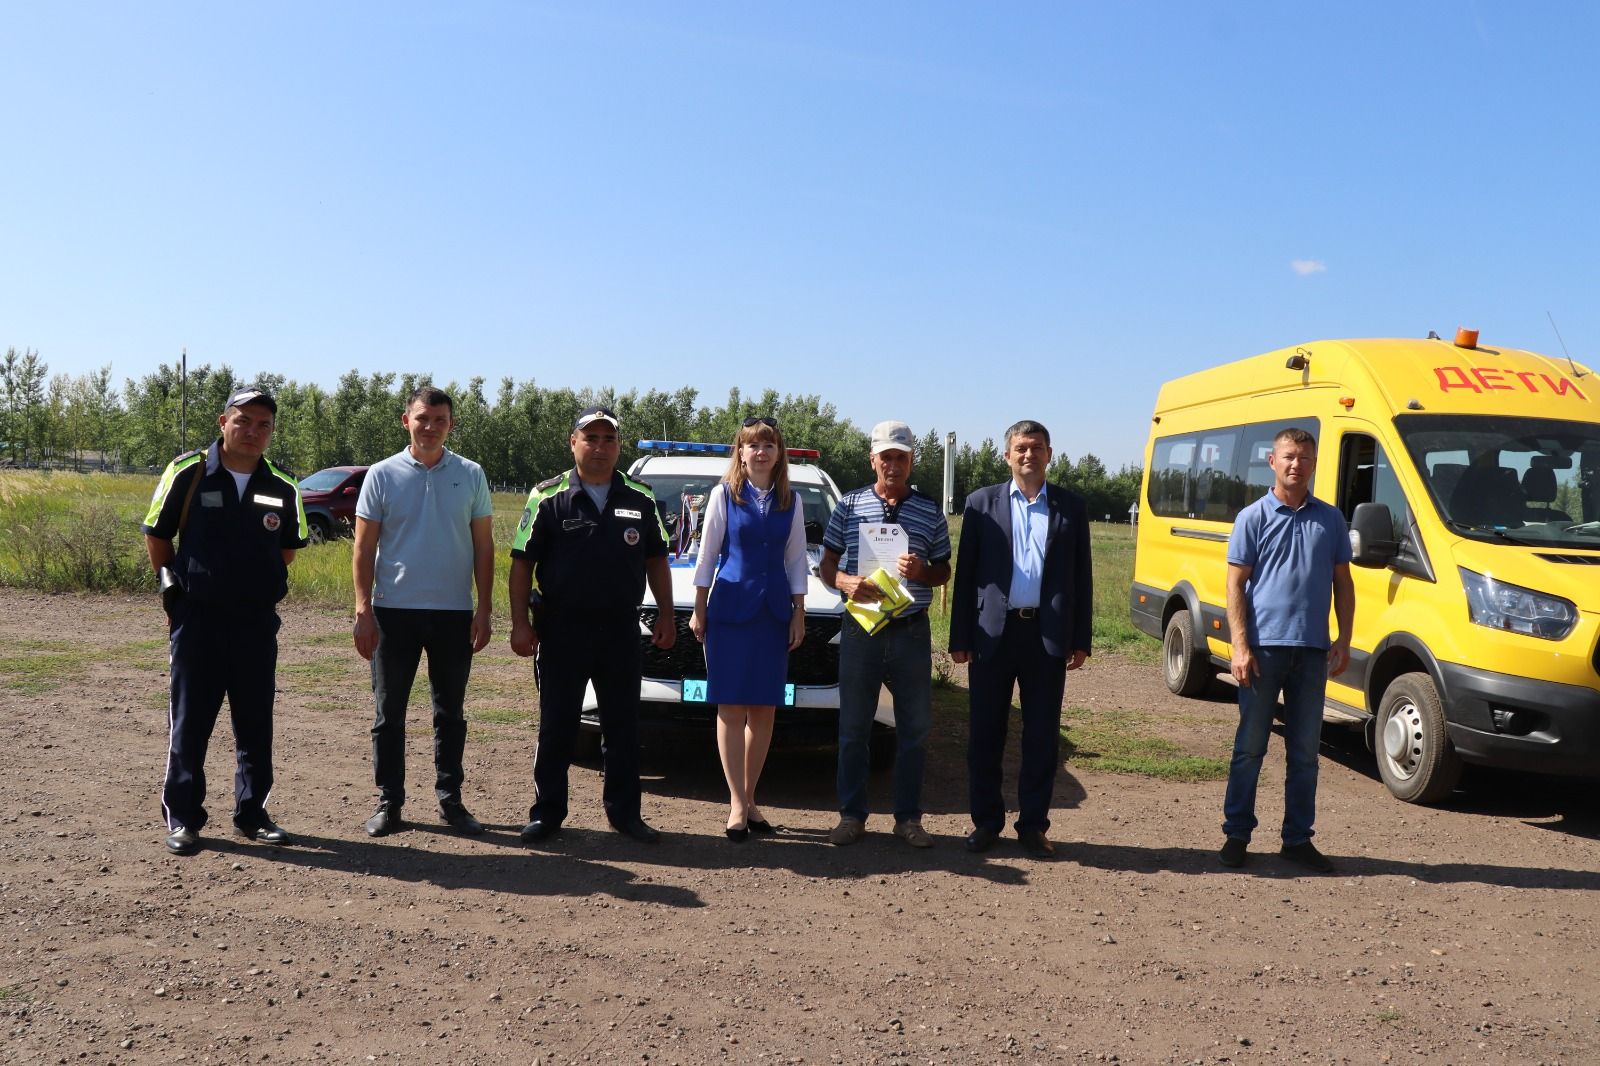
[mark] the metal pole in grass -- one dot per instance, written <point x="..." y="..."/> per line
<point x="949" y="502"/>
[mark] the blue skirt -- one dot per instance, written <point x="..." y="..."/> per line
<point x="747" y="662"/>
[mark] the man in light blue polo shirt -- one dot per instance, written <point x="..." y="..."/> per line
<point x="424" y="538"/>
<point x="1289" y="553"/>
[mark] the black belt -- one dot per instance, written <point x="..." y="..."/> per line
<point x="904" y="619"/>
<point x="1027" y="614"/>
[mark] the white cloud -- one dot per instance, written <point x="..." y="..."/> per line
<point x="1304" y="267"/>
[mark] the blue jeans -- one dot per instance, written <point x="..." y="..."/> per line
<point x="901" y="657"/>
<point x="1301" y="675"/>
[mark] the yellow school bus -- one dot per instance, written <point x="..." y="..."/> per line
<point x="1469" y="475"/>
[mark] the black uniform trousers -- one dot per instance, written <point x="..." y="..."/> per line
<point x="220" y="650"/>
<point x="575" y="650"/>
<point x="1041" y="679"/>
<point x="403" y="635"/>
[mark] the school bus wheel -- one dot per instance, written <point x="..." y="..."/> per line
<point x="1187" y="668"/>
<point x="1415" y="757"/>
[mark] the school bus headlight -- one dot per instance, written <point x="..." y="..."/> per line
<point x="1499" y="605"/>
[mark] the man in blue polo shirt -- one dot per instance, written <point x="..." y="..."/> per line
<point x="424" y="538"/>
<point x="900" y="654"/>
<point x="1289" y="553"/>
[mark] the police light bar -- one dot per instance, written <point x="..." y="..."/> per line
<point x="715" y="449"/>
<point x="686" y="446"/>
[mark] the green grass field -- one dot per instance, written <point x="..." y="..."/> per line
<point x="67" y="532"/>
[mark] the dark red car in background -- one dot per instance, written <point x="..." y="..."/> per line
<point x="330" y="500"/>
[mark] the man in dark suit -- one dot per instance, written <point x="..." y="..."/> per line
<point x="1022" y="616"/>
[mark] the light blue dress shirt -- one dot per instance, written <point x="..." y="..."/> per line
<point x="1029" y="523"/>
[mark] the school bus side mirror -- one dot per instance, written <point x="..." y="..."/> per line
<point x="1371" y="536"/>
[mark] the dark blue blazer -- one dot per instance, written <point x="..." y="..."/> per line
<point x="983" y="574"/>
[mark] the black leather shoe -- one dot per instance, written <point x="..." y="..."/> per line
<point x="761" y="827"/>
<point x="1233" y="852"/>
<point x="1307" y="855"/>
<point x="267" y="832"/>
<point x="386" y="821"/>
<point x="637" y="830"/>
<point x="738" y="834"/>
<point x="457" y="816"/>
<point x="183" y="841"/>
<point x="981" y="839"/>
<point x="536" y="831"/>
<point x="1035" y="843"/>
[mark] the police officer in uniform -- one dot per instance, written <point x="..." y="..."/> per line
<point x="237" y="520"/>
<point x="587" y="541"/>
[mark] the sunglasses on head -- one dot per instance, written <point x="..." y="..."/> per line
<point x="761" y="420"/>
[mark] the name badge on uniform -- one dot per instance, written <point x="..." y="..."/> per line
<point x="270" y="501"/>
<point x="622" y="512"/>
<point x="211" y="499"/>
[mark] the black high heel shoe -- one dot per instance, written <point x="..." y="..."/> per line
<point x="761" y="827"/>
<point x="739" y="835"/>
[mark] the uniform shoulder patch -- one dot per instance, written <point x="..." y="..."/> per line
<point x="639" y="486"/>
<point x="550" y="483"/>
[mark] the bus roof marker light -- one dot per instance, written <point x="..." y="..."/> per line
<point x="1466" y="338"/>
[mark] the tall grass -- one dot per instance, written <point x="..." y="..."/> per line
<point x="63" y="532"/>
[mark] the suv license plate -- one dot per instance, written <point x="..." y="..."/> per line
<point x="694" y="691"/>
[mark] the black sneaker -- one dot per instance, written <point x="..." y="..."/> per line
<point x="1233" y="852"/>
<point x="1307" y="855"/>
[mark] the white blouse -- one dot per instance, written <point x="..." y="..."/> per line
<point x="715" y="526"/>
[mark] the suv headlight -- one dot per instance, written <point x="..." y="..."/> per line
<point x="1499" y="605"/>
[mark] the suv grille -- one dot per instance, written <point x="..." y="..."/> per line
<point x="815" y="662"/>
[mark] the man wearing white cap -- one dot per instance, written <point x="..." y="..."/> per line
<point x="900" y="654"/>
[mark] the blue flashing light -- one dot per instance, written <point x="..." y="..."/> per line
<point x="686" y="446"/>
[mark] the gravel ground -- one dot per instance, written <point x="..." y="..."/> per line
<point x="1460" y="934"/>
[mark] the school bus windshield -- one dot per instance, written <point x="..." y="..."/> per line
<point x="1531" y="480"/>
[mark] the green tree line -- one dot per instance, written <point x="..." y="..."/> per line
<point x="518" y="430"/>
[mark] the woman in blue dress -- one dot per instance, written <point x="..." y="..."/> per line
<point x="749" y="607"/>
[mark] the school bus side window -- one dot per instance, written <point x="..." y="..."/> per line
<point x="1367" y="476"/>
<point x="1214" y="474"/>
<point x="1218" y="496"/>
<point x="1169" y="476"/>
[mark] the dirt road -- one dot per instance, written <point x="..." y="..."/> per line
<point x="1464" y="934"/>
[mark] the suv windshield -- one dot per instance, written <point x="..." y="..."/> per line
<point x="670" y="489"/>
<point x="1526" y="480"/>
<point x="323" y="480"/>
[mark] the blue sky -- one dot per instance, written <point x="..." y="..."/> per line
<point x="954" y="214"/>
